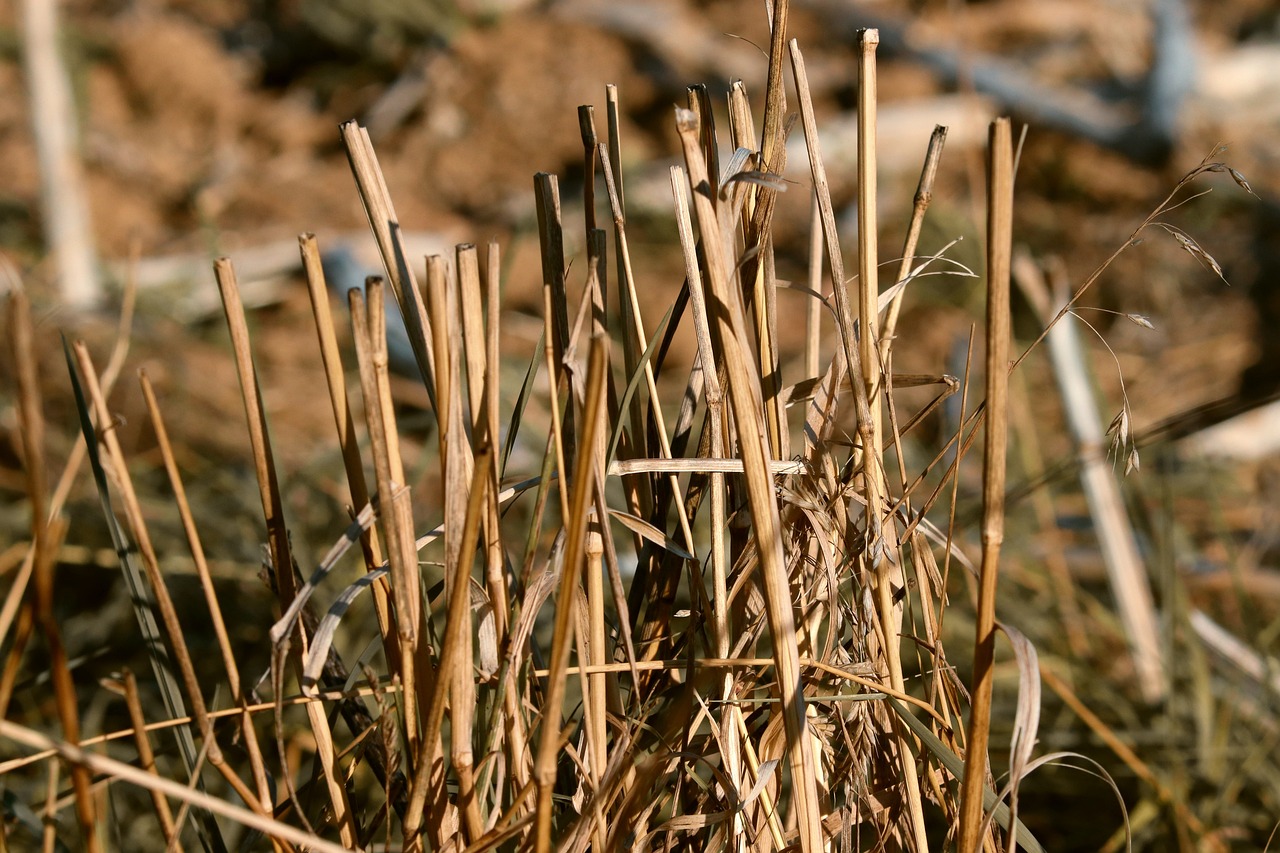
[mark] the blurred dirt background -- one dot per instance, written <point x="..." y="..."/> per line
<point x="209" y="127"/>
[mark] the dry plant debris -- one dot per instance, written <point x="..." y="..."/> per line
<point x="755" y="656"/>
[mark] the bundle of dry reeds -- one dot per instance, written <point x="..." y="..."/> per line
<point x="695" y="637"/>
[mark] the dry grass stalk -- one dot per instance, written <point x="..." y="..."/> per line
<point x="63" y="192"/>
<point x="385" y="225"/>
<point x="260" y="442"/>
<point x="344" y="422"/>
<point x="277" y="538"/>
<point x="159" y="590"/>
<point x="919" y="206"/>
<point x="743" y="720"/>
<point x="999" y="257"/>
<point x="109" y="767"/>
<point x="584" y="484"/>
<point x="146" y="757"/>
<point x="46" y="539"/>
<point x="370" y="339"/>
<point x="247" y="731"/>
<point x="728" y="332"/>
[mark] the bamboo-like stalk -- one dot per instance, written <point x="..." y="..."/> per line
<point x="587" y="129"/>
<point x="273" y="512"/>
<point x="551" y="242"/>
<point x="744" y="396"/>
<point x="639" y="496"/>
<point x="402" y="558"/>
<point x="344" y="421"/>
<point x="596" y="714"/>
<point x="631" y="297"/>
<point x="868" y="233"/>
<point x="880" y="567"/>
<point x="495" y="571"/>
<point x="455" y="450"/>
<point x="457" y="626"/>
<point x="584" y="484"/>
<point x="248" y="732"/>
<point x="730" y="723"/>
<point x="146" y="756"/>
<point x="887" y="568"/>
<point x="742" y="129"/>
<point x="259" y="440"/>
<point x="844" y="308"/>
<point x="999" y="255"/>
<point x="813" y="314"/>
<point x="385" y="225"/>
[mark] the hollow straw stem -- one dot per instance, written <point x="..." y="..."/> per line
<point x="344" y="422"/>
<point x="999" y="254"/>
<point x="888" y="572"/>
<point x="385" y="225"/>
<point x="260" y="441"/>
<point x="454" y="648"/>
<point x="729" y="330"/>
<point x="868" y="241"/>
<point x="368" y="329"/>
<point x="584" y="484"/>
<point x="813" y="315"/>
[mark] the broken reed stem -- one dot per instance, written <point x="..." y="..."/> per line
<point x="844" y="309"/>
<point x="584" y="483"/>
<point x="372" y="187"/>
<point x="447" y="320"/>
<point x="456" y="642"/>
<point x="868" y="241"/>
<point x="402" y="556"/>
<point x="813" y="314"/>
<point x="887" y="566"/>
<point x="259" y="440"/>
<point x="729" y="332"/>
<point x="999" y="252"/>
<point x="280" y="553"/>
<point x="159" y="590"/>
<point x="344" y="422"/>
<point x="495" y="569"/>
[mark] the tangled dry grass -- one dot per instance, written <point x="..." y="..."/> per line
<point x="722" y="623"/>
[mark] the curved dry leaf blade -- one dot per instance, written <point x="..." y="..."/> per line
<point x="1026" y="720"/>
<point x="643" y="528"/>
<point x="318" y="653"/>
<point x="522" y="400"/>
